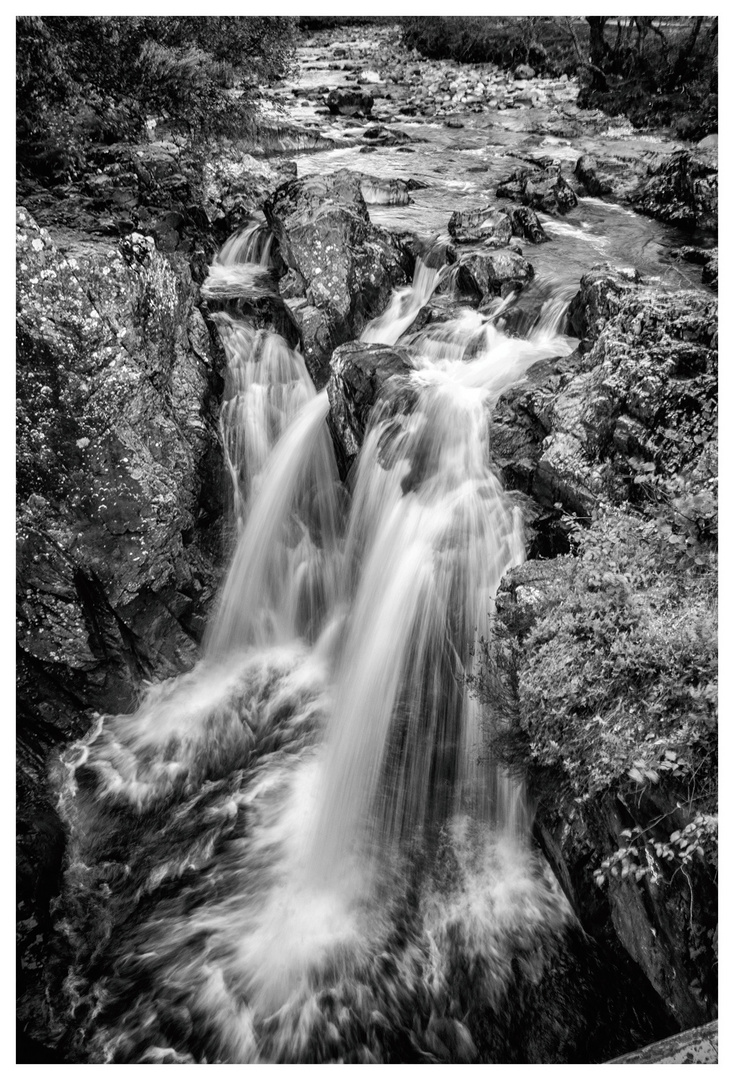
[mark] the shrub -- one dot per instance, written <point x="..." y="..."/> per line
<point x="616" y="682"/>
<point x="97" y="79"/>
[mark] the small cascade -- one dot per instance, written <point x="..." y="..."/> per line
<point x="539" y="310"/>
<point x="242" y="267"/>
<point x="266" y="387"/>
<point x="312" y="855"/>
<point x="283" y="578"/>
<point x="404" y="306"/>
<point x="251" y="244"/>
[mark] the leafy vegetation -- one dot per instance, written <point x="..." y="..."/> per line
<point x="89" y="80"/>
<point x="616" y="686"/>
<point x="621" y="683"/>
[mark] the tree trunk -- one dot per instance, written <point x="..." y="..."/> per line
<point x="598" y="50"/>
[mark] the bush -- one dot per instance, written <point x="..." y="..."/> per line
<point x="619" y="681"/>
<point x="86" y="80"/>
<point x="615" y="681"/>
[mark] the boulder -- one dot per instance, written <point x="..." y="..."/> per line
<point x="120" y="500"/>
<point x="486" y="223"/>
<point x="499" y="273"/>
<point x="525" y="223"/>
<point x="682" y="190"/>
<point x="360" y="373"/>
<point x="345" y="101"/>
<point x="542" y="189"/>
<point x="615" y="176"/>
<point x="640" y="403"/>
<point x="603" y="293"/>
<point x="349" y="267"/>
<point x="117" y="421"/>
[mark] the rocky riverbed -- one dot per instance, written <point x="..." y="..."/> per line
<point x="358" y="167"/>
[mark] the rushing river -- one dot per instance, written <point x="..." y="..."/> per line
<point x="303" y="849"/>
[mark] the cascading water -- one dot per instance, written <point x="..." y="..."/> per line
<point x="301" y="850"/>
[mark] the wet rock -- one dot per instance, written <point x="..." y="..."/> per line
<point x="359" y="373"/>
<point x="613" y="176"/>
<point x="683" y="190"/>
<point x="525" y="223"/>
<point x="461" y="286"/>
<point x="379" y="135"/>
<point x="642" y="401"/>
<point x="315" y="338"/>
<point x="603" y="293"/>
<point x="379" y="192"/>
<point x="696" y="1046"/>
<point x="543" y="190"/>
<point x="499" y="273"/>
<point x="119" y="492"/>
<point x="349" y="267"/>
<point x="486" y="223"/>
<point x="586" y="173"/>
<point x="349" y="102"/>
<point x="707" y="258"/>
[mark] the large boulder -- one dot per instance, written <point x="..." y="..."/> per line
<point x="118" y="486"/>
<point x="346" y="101"/>
<point x="486" y="224"/>
<point x="604" y="292"/>
<point x="617" y="176"/>
<point x="683" y="190"/>
<point x="540" y="188"/>
<point x="348" y="266"/>
<point x="635" y="411"/>
<point x="500" y="272"/>
<point x="360" y="372"/>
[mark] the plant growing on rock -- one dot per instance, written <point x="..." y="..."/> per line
<point x="610" y="660"/>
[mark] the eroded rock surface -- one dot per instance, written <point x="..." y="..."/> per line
<point x="359" y="373"/>
<point x="348" y="266"/>
<point x="640" y="403"/>
<point x="119" y="484"/>
<point x="683" y="190"/>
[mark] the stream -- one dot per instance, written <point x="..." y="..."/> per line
<point x="304" y="850"/>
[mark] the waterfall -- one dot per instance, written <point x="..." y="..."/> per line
<point x="242" y="267"/>
<point x="404" y="305"/>
<point x="307" y="838"/>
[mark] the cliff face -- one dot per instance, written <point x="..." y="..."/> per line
<point x="119" y="491"/>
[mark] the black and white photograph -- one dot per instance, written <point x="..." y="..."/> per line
<point x="366" y="402"/>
